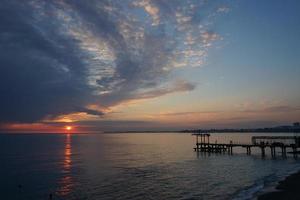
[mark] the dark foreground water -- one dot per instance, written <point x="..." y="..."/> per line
<point x="131" y="166"/>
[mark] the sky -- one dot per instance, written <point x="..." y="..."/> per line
<point x="117" y="65"/>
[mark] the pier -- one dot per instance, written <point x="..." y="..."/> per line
<point x="286" y="144"/>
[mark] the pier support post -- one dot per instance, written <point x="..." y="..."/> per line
<point x="230" y="147"/>
<point x="248" y="150"/>
<point x="263" y="152"/>
<point x="295" y="152"/>
<point x="272" y="155"/>
<point x="273" y="151"/>
<point x="201" y="140"/>
<point x="197" y="143"/>
<point x="208" y="139"/>
<point x="283" y="151"/>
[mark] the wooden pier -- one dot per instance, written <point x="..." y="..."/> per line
<point x="284" y="143"/>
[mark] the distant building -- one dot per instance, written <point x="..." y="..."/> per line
<point x="296" y="124"/>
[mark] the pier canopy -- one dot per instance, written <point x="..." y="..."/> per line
<point x="204" y="137"/>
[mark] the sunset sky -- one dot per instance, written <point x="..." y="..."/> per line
<point x="114" y="65"/>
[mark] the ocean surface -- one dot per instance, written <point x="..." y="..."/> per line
<point x="132" y="166"/>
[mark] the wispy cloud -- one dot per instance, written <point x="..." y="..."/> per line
<point x="223" y="9"/>
<point x="179" y="86"/>
<point x="150" y="8"/>
<point x="67" y="55"/>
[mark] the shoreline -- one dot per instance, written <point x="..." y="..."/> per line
<point x="285" y="189"/>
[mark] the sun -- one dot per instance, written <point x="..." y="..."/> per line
<point x="68" y="128"/>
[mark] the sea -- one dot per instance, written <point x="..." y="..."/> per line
<point x="127" y="166"/>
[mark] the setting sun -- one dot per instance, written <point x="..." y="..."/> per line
<point x="68" y="128"/>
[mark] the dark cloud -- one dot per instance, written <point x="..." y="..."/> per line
<point x="58" y="57"/>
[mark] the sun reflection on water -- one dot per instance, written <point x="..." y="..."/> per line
<point x="66" y="182"/>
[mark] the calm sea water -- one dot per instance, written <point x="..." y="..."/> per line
<point x="132" y="166"/>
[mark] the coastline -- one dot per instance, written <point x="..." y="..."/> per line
<point x="285" y="189"/>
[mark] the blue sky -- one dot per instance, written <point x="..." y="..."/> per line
<point x="148" y="64"/>
<point x="262" y="54"/>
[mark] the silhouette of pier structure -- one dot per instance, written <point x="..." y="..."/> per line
<point x="283" y="143"/>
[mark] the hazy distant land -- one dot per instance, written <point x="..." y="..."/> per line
<point x="294" y="128"/>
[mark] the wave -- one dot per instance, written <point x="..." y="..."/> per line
<point x="265" y="185"/>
